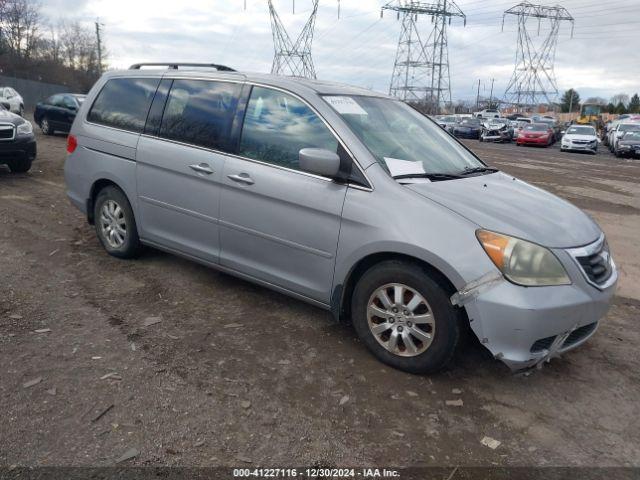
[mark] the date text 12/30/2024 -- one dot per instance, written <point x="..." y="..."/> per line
<point x="315" y="473"/>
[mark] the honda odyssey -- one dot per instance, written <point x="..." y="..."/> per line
<point x="344" y="198"/>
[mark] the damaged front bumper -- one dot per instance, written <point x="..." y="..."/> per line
<point x="527" y="326"/>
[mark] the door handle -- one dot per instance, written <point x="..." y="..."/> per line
<point x="242" y="178"/>
<point x="202" y="168"/>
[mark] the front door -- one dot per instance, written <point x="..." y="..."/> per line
<point x="180" y="167"/>
<point x="277" y="223"/>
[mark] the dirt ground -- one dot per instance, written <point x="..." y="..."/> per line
<point x="234" y="374"/>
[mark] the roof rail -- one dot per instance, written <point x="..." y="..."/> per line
<point x="174" y="66"/>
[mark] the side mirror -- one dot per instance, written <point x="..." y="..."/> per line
<point x="319" y="162"/>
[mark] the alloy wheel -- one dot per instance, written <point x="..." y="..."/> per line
<point x="401" y="320"/>
<point x="113" y="224"/>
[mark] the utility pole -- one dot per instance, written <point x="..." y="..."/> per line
<point x="99" y="44"/>
<point x="491" y="94"/>
<point x="421" y="68"/>
<point x="478" y="96"/>
<point x="533" y="80"/>
<point x="571" y="101"/>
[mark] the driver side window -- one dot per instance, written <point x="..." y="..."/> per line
<point x="278" y="125"/>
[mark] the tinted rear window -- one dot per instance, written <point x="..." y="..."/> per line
<point x="124" y="103"/>
<point x="200" y="112"/>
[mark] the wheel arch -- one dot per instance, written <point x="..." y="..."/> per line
<point x="96" y="187"/>
<point x="340" y="304"/>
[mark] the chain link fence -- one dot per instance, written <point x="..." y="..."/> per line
<point x="32" y="91"/>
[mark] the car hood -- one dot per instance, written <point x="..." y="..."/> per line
<point x="573" y="136"/>
<point x="7" y="116"/>
<point x="504" y="204"/>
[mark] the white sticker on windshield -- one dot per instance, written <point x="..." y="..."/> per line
<point x="403" y="167"/>
<point x="345" y="105"/>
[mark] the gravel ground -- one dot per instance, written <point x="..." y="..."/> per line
<point x="234" y="374"/>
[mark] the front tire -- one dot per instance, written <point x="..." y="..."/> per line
<point x="21" y="165"/>
<point x="404" y="316"/>
<point x="115" y="224"/>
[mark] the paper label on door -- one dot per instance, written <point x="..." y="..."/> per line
<point x="345" y="105"/>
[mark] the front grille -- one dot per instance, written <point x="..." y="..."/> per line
<point x="579" y="334"/>
<point x="7" y="132"/>
<point x="542" y="344"/>
<point x="597" y="266"/>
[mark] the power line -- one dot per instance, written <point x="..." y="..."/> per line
<point x="292" y="58"/>
<point x="533" y="80"/>
<point x="421" y="68"/>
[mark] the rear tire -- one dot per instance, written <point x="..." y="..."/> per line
<point x="21" y="165"/>
<point x="115" y="224"/>
<point x="419" y="337"/>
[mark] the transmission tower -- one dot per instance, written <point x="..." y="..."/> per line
<point x="421" y="68"/>
<point x="293" y="58"/>
<point x="534" y="80"/>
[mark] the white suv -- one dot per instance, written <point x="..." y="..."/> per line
<point x="488" y="113"/>
<point x="12" y="100"/>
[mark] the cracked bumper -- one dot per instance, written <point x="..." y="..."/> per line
<point x="509" y="319"/>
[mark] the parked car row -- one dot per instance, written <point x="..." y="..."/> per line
<point x="622" y="135"/>
<point x="17" y="141"/>
<point x="619" y="135"/>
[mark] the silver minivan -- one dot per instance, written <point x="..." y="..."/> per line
<point x="344" y="198"/>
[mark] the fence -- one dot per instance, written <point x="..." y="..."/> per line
<point x="568" y="117"/>
<point x="32" y="92"/>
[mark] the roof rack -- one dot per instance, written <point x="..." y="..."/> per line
<point x="174" y="66"/>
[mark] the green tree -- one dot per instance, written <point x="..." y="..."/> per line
<point x="634" y="104"/>
<point x="611" y="108"/>
<point x="620" y="108"/>
<point x="570" y="101"/>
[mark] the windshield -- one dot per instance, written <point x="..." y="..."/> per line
<point x="629" y="126"/>
<point x="632" y="135"/>
<point x="403" y="141"/>
<point x="581" y="131"/>
<point x="449" y="119"/>
<point x="470" y="122"/>
<point x="591" y="109"/>
<point x="536" y="127"/>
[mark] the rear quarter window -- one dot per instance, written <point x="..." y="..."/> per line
<point x="124" y="103"/>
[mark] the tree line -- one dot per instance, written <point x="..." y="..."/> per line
<point x="34" y="48"/>
<point x="620" y="103"/>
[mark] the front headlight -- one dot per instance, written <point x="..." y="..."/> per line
<point x="25" y="128"/>
<point x="523" y="262"/>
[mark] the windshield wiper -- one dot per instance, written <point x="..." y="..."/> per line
<point x="430" y="176"/>
<point x="471" y="171"/>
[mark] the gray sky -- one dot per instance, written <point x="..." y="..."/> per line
<point x="602" y="58"/>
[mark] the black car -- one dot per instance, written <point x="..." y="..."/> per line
<point x="468" y="128"/>
<point x="628" y="145"/>
<point x="58" y="112"/>
<point x="17" y="142"/>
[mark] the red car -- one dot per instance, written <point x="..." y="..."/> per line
<point x="535" y="134"/>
